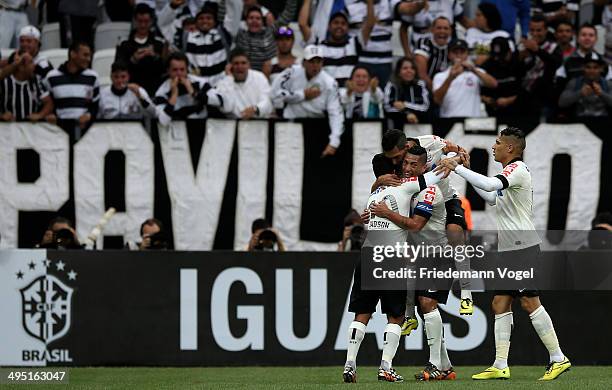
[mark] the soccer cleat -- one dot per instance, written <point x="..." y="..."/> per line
<point x="431" y="373"/>
<point x="554" y="369"/>
<point x="448" y="375"/>
<point x="409" y="325"/>
<point x="349" y="375"/>
<point x="467" y="307"/>
<point x="389" y="375"/>
<point x="493" y="373"/>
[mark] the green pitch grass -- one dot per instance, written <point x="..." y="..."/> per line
<point x="523" y="377"/>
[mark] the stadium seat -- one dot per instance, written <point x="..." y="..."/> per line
<point x="56" y="56"/>
<point x="298" y="44"/>
<point x="396" y="43"/>
<point x="104" y="81"/>
<point x="50" y="36"/>
<point x="5" y="53"/>
<point x="109" y="35"/>
<point x="102" y="61"/>
<point x="601" y="39"/>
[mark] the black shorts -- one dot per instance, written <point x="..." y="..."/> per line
<point x="454" y="213"/>
<point x="439" y="295"/>
<point x="392" y="302"/>
<point x="529" y="289"/>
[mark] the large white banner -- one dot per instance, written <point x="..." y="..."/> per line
<point x="196" y="197"/>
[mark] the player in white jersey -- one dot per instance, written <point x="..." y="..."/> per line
<point x="394" y="146"/>
<point x="381" y="231"/>
<point x="512" y="194"/>
<point x="430" y="213"/>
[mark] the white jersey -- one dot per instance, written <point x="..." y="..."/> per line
<point x="514" y="204"/>
<point x="430" y="205"/>
<point x="462" y="98"/>
<point x="434" y="146"/>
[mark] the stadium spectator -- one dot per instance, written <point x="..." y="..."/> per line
<point x="29" y="42"/>
<point x="540" y="57"/>
<point x="170" y="20"/>
<point x="308" y="92"/>
<point x="264" y="237"/>
<point x="590" y="95"/>
<point x="21" y="93"/>
<point x="207" y="48"/>
<point x="285" y="37"/>
<point x="353" y="233"/>
<point x="183" y="95"/>
<point x="422" y="22"/>
<point x="487" y="25"/>
<point x="144" y="52"/>
<point x="268" y="16"/>
<point x="564" y="35"/>
<point x="556" y="11"/>
<point x="510" y="11"/>
<point x="457" y="89"/>
<point x="377" y="52"/>
<point x="600" y="235"/>
<point x="79" y="16"/>
<point x="60" y="234"/>
<point x="431" y="54"/>
<point x="245" y="91"/>
<point x="74" y="87"/>
<point x="122" y="99"/>
<point x="153" y="236"/>
<point x="406" y="97"/>
<point x="504" y="66"/>
<point x="12" y="19"/>
<point x="340" y="50"/>
<point x="361" y="97"/>
<point x="258" y="39"/>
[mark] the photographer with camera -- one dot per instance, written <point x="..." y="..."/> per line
<point x="153" y="235"/>
<point x="264" y="237"/>
<point x="60" y="234"/>
<point x="353" y="233"/>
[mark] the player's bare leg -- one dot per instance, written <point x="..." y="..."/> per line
<point x="356" y="332"/>
<point x="542" y="323"/>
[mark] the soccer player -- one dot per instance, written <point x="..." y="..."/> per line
<point x="429" y="213"/>
<point x="512" y="194"/>
<point x="394" y="145"/>
<point x="393" y="303"/>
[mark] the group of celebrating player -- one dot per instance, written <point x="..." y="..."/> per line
<point x="412" y="195"/>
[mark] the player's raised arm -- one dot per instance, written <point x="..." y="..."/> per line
<point x="474" y="178"/>
<point x="413" y="224"/>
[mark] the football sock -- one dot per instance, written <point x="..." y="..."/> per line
<point x="410" y="305"/>
<point x="466" y="284"/>
<point x="544" y="327"/>
<point x="466" y="294"/>
<point x="433" y="331"/>
<point x="392" y="338"/>
<point x="445" y="363"/>
<point x="356" y="332"/>
<point x="503" y="331"/>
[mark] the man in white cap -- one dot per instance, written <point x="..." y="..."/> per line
<point x="29" y="49"/>
<point x="308" y="92"/>
<point x="12" y="19"/>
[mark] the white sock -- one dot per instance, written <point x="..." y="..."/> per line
<point x="544" y="327"/>
<point x="433" y="331"/>
<point x="503" y="331"/>
<point x="466" y="294"/>
<point x="445" y="363"/>
<point x="392" y="336"/>
<point x="356" y="331"/>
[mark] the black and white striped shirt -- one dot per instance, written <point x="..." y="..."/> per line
<point x="378" y="49"/>
<point x="207" y="53"/>
<point x="414" y="95"/>
<point x="549" y="7"/>
<point x="21" y="98"/>
<point x="437" y="56"/>
<point x="74" y="94"/>
<point x="339" y="59"/>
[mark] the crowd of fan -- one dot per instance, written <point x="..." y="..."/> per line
<point x="234" y="58"/>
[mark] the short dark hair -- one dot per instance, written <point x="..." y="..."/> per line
<point x="142" y="9"/>
<point x="119" y="66"/>
<point x="60" y="219"/>
<point x="587" y="25"/>
<point x="178" y="56"/>
<point x="151" y="222"/>
<point x="492" y="15"/>
<point x="258" y="224"/>
<point x="516" y="133"/>
<point x="238" y="52"/>
<point x="565" y="22"/>
<point x="539" y="18"/>
<point x="360" y="67"/>
<point x="393" y="138"/>
<point x="441" y="18"/>
<point x="418" y="150"/>
<point x="209" y="8"/>
<point x="254" y="8"/>
<point x="76" y="45"/>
